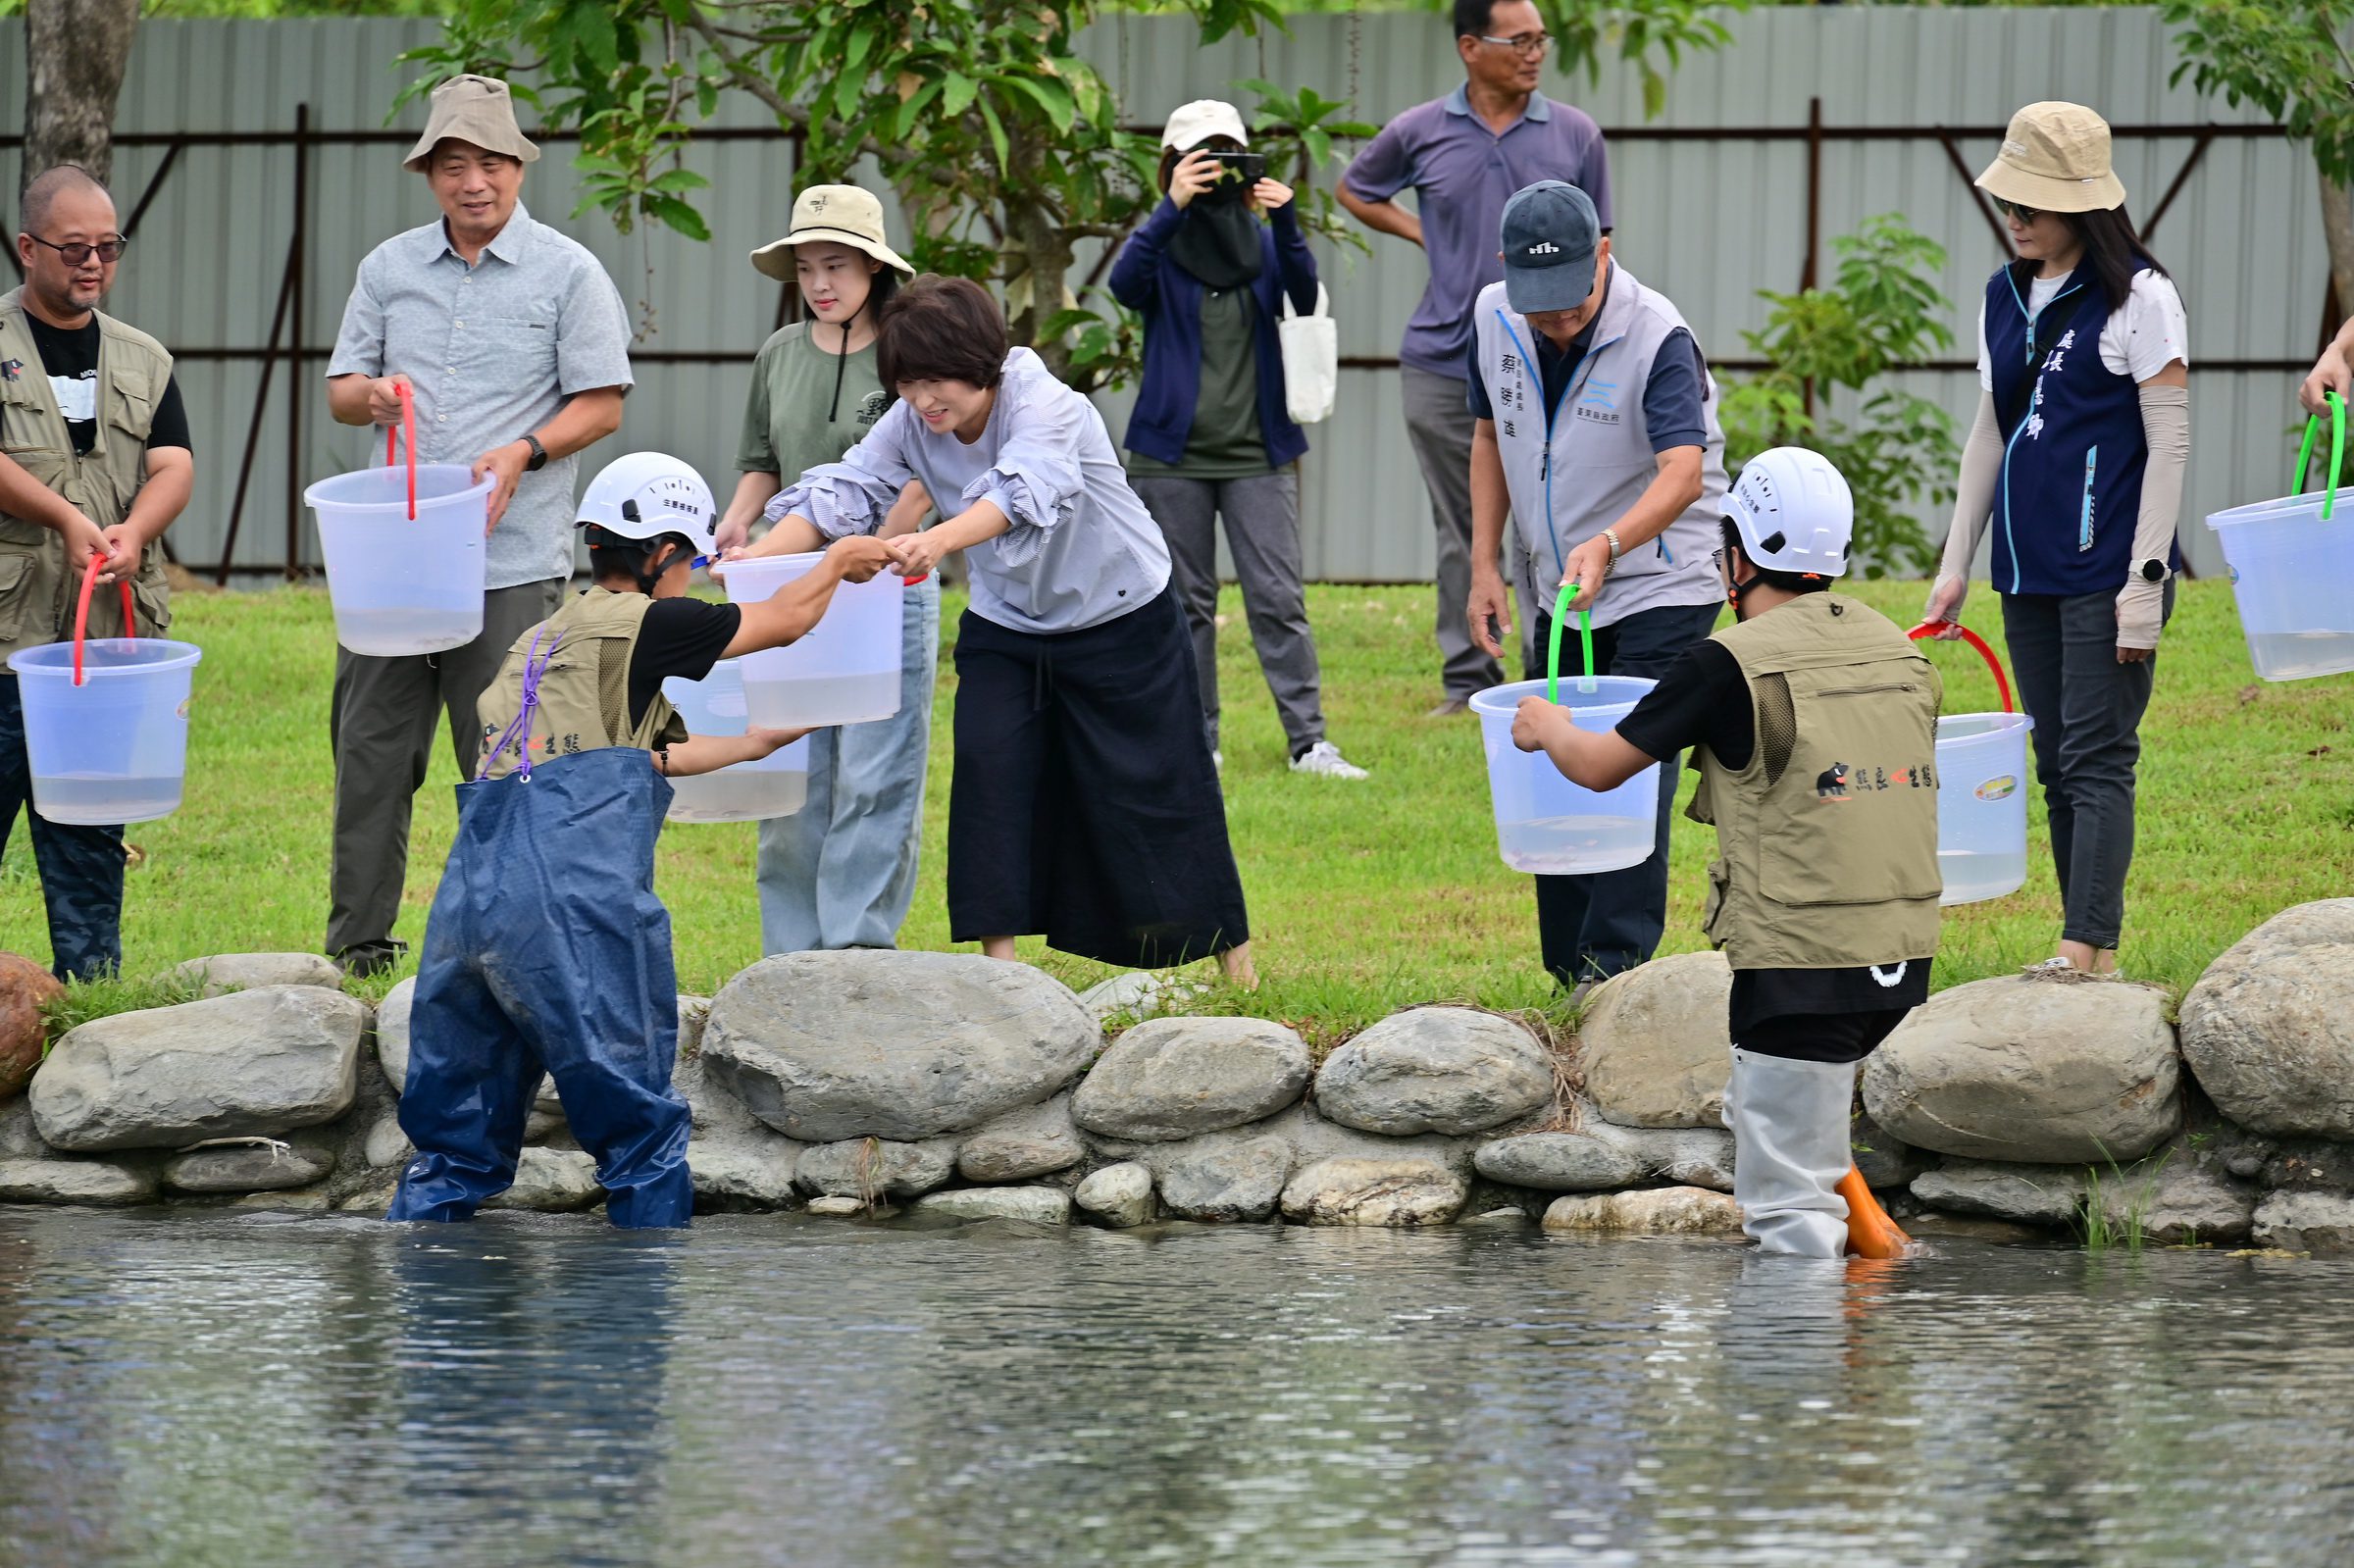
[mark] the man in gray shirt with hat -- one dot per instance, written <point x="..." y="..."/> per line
<point x="514" y="345"/>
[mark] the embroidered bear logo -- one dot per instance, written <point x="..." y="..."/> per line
<point x="1831" y="785"/>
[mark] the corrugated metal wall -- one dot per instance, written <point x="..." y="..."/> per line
<point x="1708" y="220"/>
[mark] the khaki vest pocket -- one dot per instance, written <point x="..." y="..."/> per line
<point x="1852" y="819"/>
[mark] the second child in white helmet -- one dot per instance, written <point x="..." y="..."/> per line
<point x="546" y="949"/>
<point x="1812" y="722"/>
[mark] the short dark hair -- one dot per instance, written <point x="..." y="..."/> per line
<point x="1473" y="16"/>
<point x="1787" y="582"/>
<point x="2112" y="253"/>
<point x="941" y="330"/>
<point x="610" y="555"/>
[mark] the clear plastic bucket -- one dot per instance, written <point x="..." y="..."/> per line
<point x="1544" y="823"/>
<point x="775" y="786"/>
<point x="115" y="749"/>
<point x="2292" y="574"/>
<point x="1982" y="805"/>
<point x="845" y="670"/>
<point x="403" y="585"/>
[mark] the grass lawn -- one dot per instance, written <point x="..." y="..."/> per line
<point x="1363" y="897"/>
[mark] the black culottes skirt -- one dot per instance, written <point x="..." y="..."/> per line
<point x="1085" y="805"/>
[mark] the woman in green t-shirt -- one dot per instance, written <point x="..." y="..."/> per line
<point x="840" y="871"/>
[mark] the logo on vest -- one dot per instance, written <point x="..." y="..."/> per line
<point x="1841" y="782"/>
<point x="11" y="369"/>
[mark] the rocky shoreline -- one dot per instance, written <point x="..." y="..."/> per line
<point x="873" y="1083"/>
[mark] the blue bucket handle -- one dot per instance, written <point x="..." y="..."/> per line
<point x="2337" y="452"/>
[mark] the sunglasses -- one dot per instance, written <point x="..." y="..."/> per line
<point x="73" y="255"/>
<point x="2011" y="209"/>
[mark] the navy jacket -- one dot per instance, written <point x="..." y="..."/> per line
<point x="1169" y="298"/>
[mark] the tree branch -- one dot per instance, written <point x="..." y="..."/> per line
<point x="751" y="81"/>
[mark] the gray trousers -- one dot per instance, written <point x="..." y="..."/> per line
<point x="382" y="724"/>
<point x="1438" y="425"/>
<point x="1262" y="532"/>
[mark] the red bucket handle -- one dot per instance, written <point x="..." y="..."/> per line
<point x="81" y="612"/>
<point x="408" y="430"/>
<point x="2002" y="683"/>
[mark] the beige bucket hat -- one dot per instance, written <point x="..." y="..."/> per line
<point x="2055" y="158"/>
<point x="476" y="109"/>
<point x="843" y="213"/>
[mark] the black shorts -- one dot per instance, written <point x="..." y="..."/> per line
<point x="1836" y="1038"/>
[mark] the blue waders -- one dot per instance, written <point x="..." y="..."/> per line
<point x="548" y="950"/>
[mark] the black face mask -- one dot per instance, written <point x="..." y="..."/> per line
<point x="1218" y="241"/>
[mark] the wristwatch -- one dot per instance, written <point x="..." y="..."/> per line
<point x="2152" y="569"/>
<point x="1611" y="537"/>
<point x="539" y="458"/>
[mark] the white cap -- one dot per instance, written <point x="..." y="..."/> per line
<point x="1196" y="122"/>
<point x="647" y="495"/>
<point x="1794" y="512"/>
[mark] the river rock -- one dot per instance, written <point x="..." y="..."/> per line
<point x="1033" y="1205"/>
<point x="1022" y="1143"/>
<point x="253" y="1062"/>
<point x="1436" y="1070"/>
<point x="1227" y="1180"/>
<point x="2269" y="1030"/>
<point x="2177" y="1201"/>
<point x="750" y="1171"/>
<point x="833" y="1206"/>
<point x="552" y="1182"/>
<point x="872" y="1168"/>
<point x="1653" y="1043"/>
<point x="97" y="1183"/>
<point x="2031" y="1069"/>
<point x="1171" y="1078"/>
<point x="26" y="989"/>
<point x="1386" y="1192"/>
<point x="392" y="1032"/>
<point x="903" y="1046"/>
<point x="1120" y="1196"/>
<point x="224" y="973"/>
<point x="1560" y="1162"/>
<point x="1653" y="1211"/>
<point x="250" y="1168"/>
<point x="1881" y="1159"/>
<point x="2320" y="1223"/>
<point x="18" y="1140"/>
<point x="2047" y="1195"/>
<point x="387" y="1146"/>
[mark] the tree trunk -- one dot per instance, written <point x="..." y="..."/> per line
<point x="2337" y="228"/>
<point x="74" y="54"/>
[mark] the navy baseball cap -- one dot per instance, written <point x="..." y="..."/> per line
<point x="1549" y="234"/>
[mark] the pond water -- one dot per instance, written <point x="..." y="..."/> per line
<point x="239" y="1389"/>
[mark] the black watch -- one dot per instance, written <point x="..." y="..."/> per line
<point x="539" y="458"/>
<point x="2152" y="569"/>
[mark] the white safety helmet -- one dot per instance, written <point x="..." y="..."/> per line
<point x="648" y="494"/>
<point x="1793" y="512"/>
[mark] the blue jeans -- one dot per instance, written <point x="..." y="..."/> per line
<point x="81" y="868"/>
<point x="1590" y="928"/>
<point x="840" y="871"/>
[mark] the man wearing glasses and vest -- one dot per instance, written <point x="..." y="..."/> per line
<point x="94" y="465"/>
<point x="1596" y="428"/>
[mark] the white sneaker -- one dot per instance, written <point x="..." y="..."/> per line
<point x="1217" y="760"/>
<point x="1325" y="758"/>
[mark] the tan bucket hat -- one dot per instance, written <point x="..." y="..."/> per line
<point x="843" y="213"/>
<point x="476" y="109"/>
<point x="2055" y="158"/>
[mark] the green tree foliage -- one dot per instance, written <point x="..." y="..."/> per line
<point x="1878" y="314"/>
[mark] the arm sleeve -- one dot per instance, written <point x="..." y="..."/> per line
<point x="1036" y="480"/>
<point x="1671" y="398"/>
<point x="592" y="335"/>
<point x="2166" y="420"/>
<point x="2157" y="331"/>
<point x="1702" y="699"/>
<point x="755" y="452"/>
<point x="171" y="424"/>
<point x="1137" y="268"/>
<point x="1973" y="497"/>
<point x="1295" y="259"/>
<point x="360" y="340"/>
<point x="1476" y="398"/>
<point x="856" y="494"/>
<point x="1385" y="166"/>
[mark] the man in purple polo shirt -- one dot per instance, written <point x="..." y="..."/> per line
<point x="1463" y="156"/>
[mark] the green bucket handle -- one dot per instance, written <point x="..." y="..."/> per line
<point x="1553" y="653"/>
<point x="2337" y="452"/>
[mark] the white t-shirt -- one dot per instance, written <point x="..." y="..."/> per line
<point x="2139" y="342"/>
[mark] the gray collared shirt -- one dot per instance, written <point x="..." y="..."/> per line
<point x="1081" y="549"/>
<point x="494" y="350"/>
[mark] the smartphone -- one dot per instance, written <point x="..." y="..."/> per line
<point x="1247" y="167"/>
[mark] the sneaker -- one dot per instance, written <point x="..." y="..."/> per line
<point x="366" y="959"/>
<point x="1325" y="758"/>
<point x="1217" y="760"/>
<point x="1450" y="708"/>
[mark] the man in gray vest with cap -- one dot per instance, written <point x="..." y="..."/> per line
<point x="515" y="348"/>
<point x="1596" y="427"/>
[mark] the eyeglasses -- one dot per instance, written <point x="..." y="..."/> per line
<point x="2011" y="208"/>
<point x="109" y="251"/>
<point x="1525" y="43"/>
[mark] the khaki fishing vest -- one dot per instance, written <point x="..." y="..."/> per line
<point x="38" y="589"/>
<point x="1828" y="841"/>
<point x="583" y="690"/>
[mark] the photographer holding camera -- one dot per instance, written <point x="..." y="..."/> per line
<point x="1211" y="436"/>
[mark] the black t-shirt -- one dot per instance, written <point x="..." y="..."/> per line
<point x="684" y="638"/>
<point x="69" y="357"/>
<point x="1703" y="700"/>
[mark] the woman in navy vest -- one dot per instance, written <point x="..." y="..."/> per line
<point x="2075" y="460"/>
<point x="1211" y="436"/>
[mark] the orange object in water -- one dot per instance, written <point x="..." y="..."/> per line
<point x="1871" y="1233"/>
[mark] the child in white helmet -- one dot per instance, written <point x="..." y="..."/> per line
<point x="1813" y="725"/>
<point x="546" y="949"/>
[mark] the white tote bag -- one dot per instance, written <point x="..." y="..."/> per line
<point x="1312" y="360"/>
